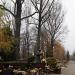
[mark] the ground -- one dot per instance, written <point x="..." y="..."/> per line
<point x="68" y="70"/>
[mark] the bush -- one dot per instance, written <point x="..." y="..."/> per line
<point x="52" y="63"/>
<point x="31" y="59"/>
<point x="57" y="70"/>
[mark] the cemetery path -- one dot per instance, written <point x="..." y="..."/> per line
<point x="69" y="70"/>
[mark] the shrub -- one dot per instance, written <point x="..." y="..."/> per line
<point x="52" y="63"/>
<point x="31" y="59"/>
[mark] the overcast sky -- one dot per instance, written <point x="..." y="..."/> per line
<point x="69" y="7"/>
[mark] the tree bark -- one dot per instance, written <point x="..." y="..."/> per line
<point x="52" y="45"/>
<point x="37" y="55"/>
<point x="17" y="27"/>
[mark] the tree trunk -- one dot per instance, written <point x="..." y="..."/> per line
<point x="17" y="27"/>
<point x="52" y="45"/>
<point x="37" y="54"/>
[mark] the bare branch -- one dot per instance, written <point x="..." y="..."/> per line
<point x="50" y="7"/>
<point x="29" y="16"/>
<point x="45" y="6"/>
<point x="35" y="6"/>
<point x="4" y="8"/>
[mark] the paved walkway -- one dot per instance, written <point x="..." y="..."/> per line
<point x="69" y="70"/>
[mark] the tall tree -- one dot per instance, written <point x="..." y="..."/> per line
<point x="17" y="16"/>
<point x="43" y="7"/>
<point x="18" y="25"/>
<point x="54" y="24"/>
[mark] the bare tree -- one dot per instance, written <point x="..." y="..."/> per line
<point x="17" y="15"/>
<point x="43" y="7"/>
<point x="54" y="25"/>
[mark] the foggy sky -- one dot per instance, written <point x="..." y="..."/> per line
<point x="69" y="7"/>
